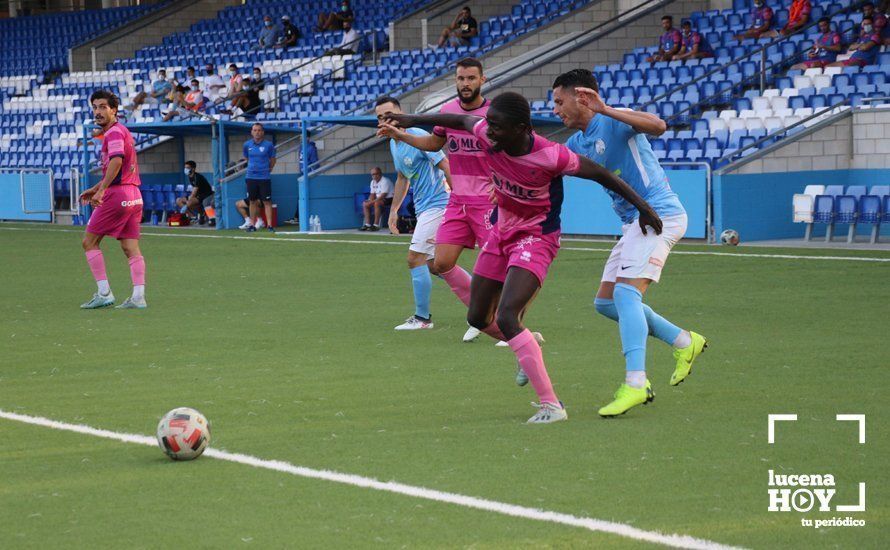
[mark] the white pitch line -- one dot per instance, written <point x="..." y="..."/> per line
<point x="591" y="524"/>
<point x="283" y="238"/>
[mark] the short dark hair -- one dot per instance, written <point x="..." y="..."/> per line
<point x="195" y="81"/>
<point x="233" y="66"/>
<point x="668" y="17"/>
<point x="867" y="18"/>
<point x="468" y="9"/>
<point x="575" y="78"/>
<point x="515" y="107"/>
<point x="107" y="95"/>
<point x="387" y="99"/>
<point x="257" y="69"/>
<point x="868" y="5"/>
<point x="825" y="19"/>
<point x="255" y="124"/>
<point x="686" y="23"/>
<point x="192" y="164"/>
<point x="190" y="69"/>
<point x="468" y="62"/>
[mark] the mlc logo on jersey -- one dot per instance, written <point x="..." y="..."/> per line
<point x="815" y="491"/>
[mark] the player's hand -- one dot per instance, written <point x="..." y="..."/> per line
<point x="492" y="196"/>
<point x="387" y="130"/>
<point x="96" y="200"/>
<point x="400" y="120"/>
<point x="393" y="222"/>
<point x="87" y="195"/>
<point x="591" y="99"/>
<point x="650" y="218"/>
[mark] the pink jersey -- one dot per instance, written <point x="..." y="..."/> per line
<point x="528" y="187"/>
<point x="118" y="142"/>
<point x="470" y="176"/>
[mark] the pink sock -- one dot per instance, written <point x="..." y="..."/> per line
<point x="137" y="270"/>
<point x="459" y="281"/>
<point x="97" y="264"/>
<point x="494" y="331"/>
<point x="528" y="352"/>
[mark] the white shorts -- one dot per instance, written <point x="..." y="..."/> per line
<point x="424" y="239"/>
<point x="639" y="256"/>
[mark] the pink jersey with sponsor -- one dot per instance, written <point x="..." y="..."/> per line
<point x="528" y="187"/>
<point x="118" y="142"/>
<point x="470" y="176"/>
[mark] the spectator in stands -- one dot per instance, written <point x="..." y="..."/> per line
<point x="798" y="17"/>
<point x="695" y="46"/>
<point x="348" y="44"/>
<point x="259" y="153"/>
<point x="189" y="76"/>
<point x="200" y="197"/>
<point x="670" y="42"/>
<point x="865" y="50"/>
<point x="289" y="34"/>
<point x="269" y="35"/>
<point x="160" y="89"/>
<point x="879" y="21"/>
<point x="380" y="197"/>
<point x="186" y="99"/>
<point x="336" y="20"/>
<point x="824" y="50"/>
<point x="461" y="30"/>
<point x="233" y="89"/>
<point x="761" y="21"/>
<point x="214" y="87"/>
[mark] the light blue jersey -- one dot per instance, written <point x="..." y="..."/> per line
<point x="420" y="169"/>
<point x="626" y="153"/>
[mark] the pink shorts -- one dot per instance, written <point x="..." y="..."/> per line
<point x="465" y="224"/>
<point x="120" y="213"/>
<point x="855" y="62"/>
<point x="533" y="253"/>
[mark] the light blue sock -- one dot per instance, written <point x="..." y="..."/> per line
<point x="659" y="327"/>
<point x="631" y="325"/>
<point x="423" y="286"/>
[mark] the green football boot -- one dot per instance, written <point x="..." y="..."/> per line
<point x="627" y="398"/>
<point x="686" y="356"/>
<point x="99" y="301"/>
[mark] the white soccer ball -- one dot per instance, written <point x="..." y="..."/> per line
<point x="183" y="434"/>
<point x="730" y="237"/>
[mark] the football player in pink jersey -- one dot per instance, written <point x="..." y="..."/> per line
<point x="117" y="203"/>
<point x="467" y="219"/>
<point x="527" y="172"/>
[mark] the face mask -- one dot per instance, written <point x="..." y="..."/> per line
<point x="268" y="23"/>
<point x="256" y="75"/>
<point x="866" y="28"/>
<point x="162" y="76"/>
<point x="233" y="71"/>
<point x="209" y="72"/>
<point x="188" y="171"/>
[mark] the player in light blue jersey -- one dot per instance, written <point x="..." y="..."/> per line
<point x="615" y="139"/>
<point x="423" y="172"/>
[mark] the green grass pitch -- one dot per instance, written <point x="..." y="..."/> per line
<point x="287" y="347"/>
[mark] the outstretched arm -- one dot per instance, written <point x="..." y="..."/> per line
<point x="593" y="171"/>
<point x="641" y="122"/>
<point x="455" y="122"/>
<point x="430" y="143"/>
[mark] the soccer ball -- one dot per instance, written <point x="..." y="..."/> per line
<point x="730" y="237"/>
<point x="183" y="434"/>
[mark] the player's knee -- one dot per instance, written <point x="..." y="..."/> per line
<point x="478" y="319"/>
<point x="606" y="308"/>
<point x="507" y="320"/>
<point x="442" y="265"/>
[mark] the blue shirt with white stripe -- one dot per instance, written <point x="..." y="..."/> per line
<point x="419" y="167"/>
<point x="628" y="154"/>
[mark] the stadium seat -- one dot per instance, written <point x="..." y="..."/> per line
<point x="880" y="190"/>
<point x="870" y="212"/>
<point x="823" y="213"/>
<point x="845" y="212"/>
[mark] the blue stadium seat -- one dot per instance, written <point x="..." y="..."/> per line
<point x="834" y="190"/>
<point x="870" y="212"/>
<point x="823" y="213"/>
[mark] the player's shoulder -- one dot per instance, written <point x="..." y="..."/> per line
<point x="450" y="106"/>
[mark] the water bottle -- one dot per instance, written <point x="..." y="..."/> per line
<point x="313" y="224"/>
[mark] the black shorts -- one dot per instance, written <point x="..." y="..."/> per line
<point x="259" y="190"/>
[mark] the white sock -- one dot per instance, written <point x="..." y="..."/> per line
<point x="138" y="293"/>
<point x="684" y="340"/>
<point x="635" y="378"/>
<point x="104" y="287"/>
<point x="246" y="219"/>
